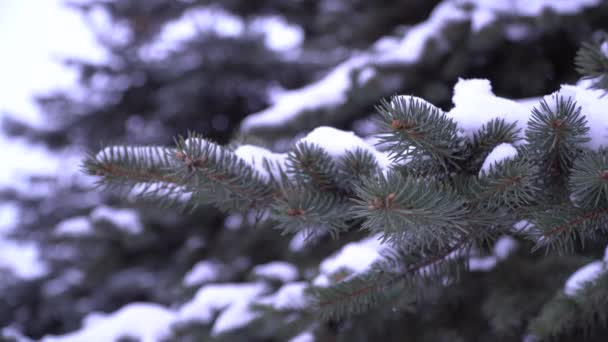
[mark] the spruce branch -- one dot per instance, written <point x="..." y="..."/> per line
<point x="410" y="211"/>
<point x="311" y="165"/>
<point x="355" y="165"/>
<point x="301" y="209"/>
<point x="589" y="180"/>
<point x="556" y="134"/>
<point x="563" y="315"/>
<point x="218" y="175"/>
<point x="592" y="62"/>
<point x="490" y="135"/>
<point x="415" y="129"/>
<point x="510" y="183"/>
<point x="398" y="274"/>
<point x="558" y="227"/>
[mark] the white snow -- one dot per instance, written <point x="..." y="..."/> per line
<point x="278" y="34"/>
<point x="522" y="226"/>
<point x="354" y="256"/>
<point x="475" y="104"/>
<point x="126" y="220"/>
<point x="202" y="272"/>
<point x="215" y="297"/>
<point x="256" y="157"/>
<point x="23" y="258"/>
<point x="504" y="246"/>
<point x="411" y="46"/>
<point x="337" y="142"/>
<point x="593" y="104"/>
<point x="289" y="296"/>
<point x="74" y="226"/>
<point x="233" y="221"/>
<point x="144" y="321"/>
<point x="298" y="242"/>
<point x="31" y="54"/>
<point x="584" y="275"/>
<point x="500" y="153"/>
<point x="327" y="92"/>
<point x="482" y="18"/>
<point x="532" y="7"/>
<point x="303" y="337"/>
<point x="277" y="270"/>
<point x="331" y="90"/>
<point x="235" y="316"/>
<point x="9" y="213"/>
<point x="334" y="141"/>
<point x="482" y="264"/>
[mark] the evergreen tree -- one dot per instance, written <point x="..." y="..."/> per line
<point x="333" y="238"/>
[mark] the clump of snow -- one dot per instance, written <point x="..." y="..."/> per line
<point x="279" y="35"/>
<point x="144" y="321"/>
<point x="411" y="46"/>
<point x="289" y="296"/>
<point x="9" y="212"/>
<point x="256" y="157"/>
<point x="365" y="75"/>
<point x="475" y="104"/>
<point x="531" y="7"/>
<point x="593" y="104"/>
<point x="303" y="337"/>
<point x="74" y="226"/>
<point x="337" y="142"/>
<point x="354" y="256"/>
<point x="584" y="275"/>
<point x="604" y="48"/>
<point x="298" y="242"/>
<point x="202" y="272"/>
<point x="214" y="297"/>
<point x="23" y="258"/>
<point x="500" y="153"/>
<point x="126" y="220"/>
<point x="233" y="221"/>
<point x="482" y="264"/>
<point x="277" y="270"/>
<point x="11" y="334"/>
<point x="334" y="141"/>
<point x="482" y="18"/>
<point x="504" y="246"/>
<point x="327" y="92"/>
<point x="235" y="316"/>
<point x="522" y="226"/>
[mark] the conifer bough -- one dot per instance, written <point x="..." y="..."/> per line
<point x="437" y="190"/>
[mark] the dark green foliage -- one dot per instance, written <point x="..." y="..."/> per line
<point x="355" y="166"/>
<point x="312" y="166"/>
<point x="556" y="133"/>
<point x="411" y="211"/>
<point x="511" y="184"/>
<point x="490" y="135"/>
<point x="301" y="209"/>
<point x="416" y="130"/>
<point x="581" y="315"/>
<point x="560" y="227"/>
<point x="589" y="180"/>
<point x="592" y="62"/>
